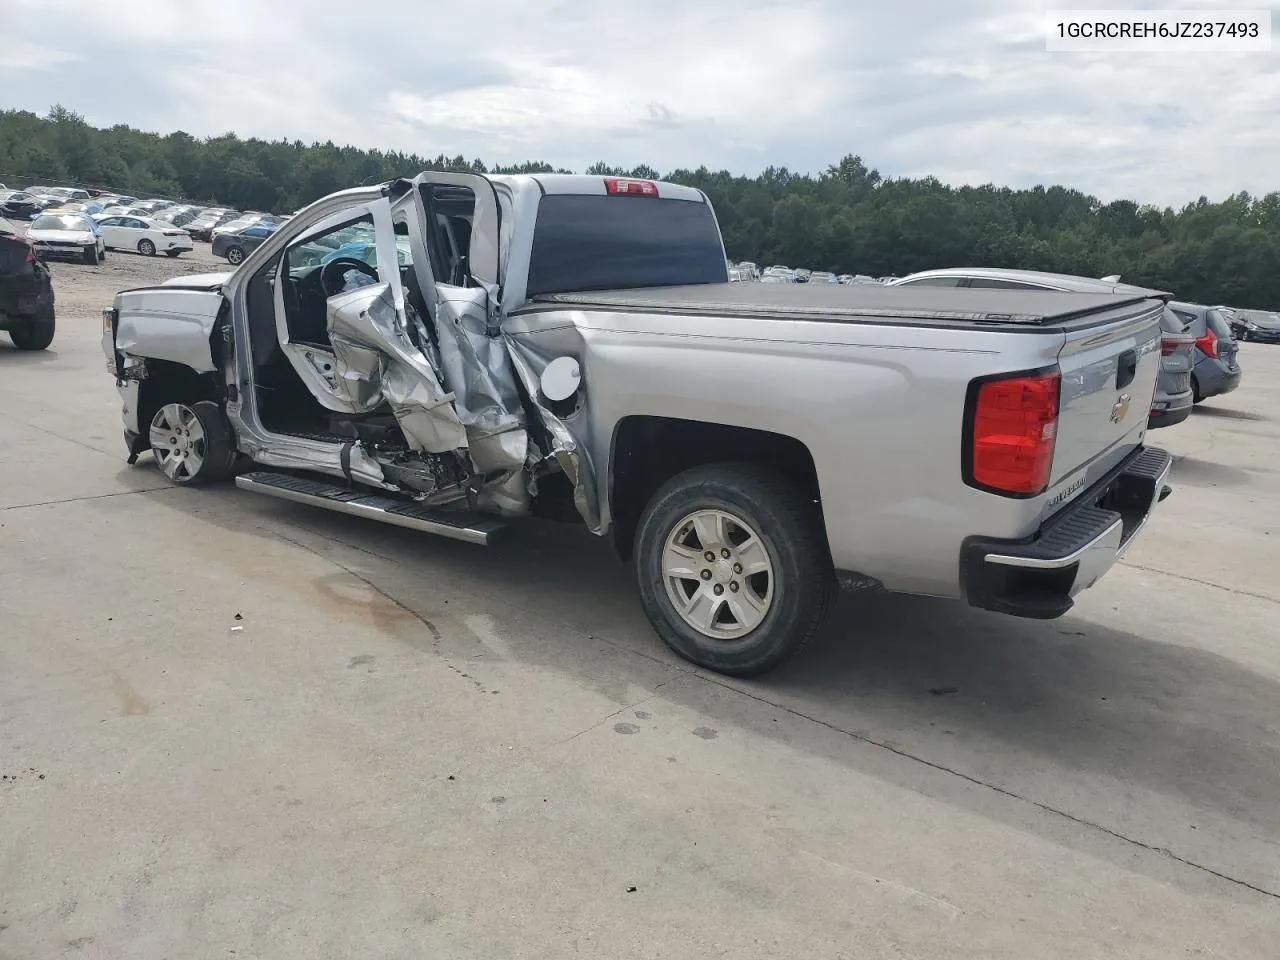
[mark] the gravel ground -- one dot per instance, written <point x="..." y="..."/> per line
<point x="231" y="726"/>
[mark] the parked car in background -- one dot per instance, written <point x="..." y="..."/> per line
<point x="801" y="275"/>
<point x="239" y="243"/>
<point x="1216" y="370"/>
<point x="67" y="236"/>
<point x="147" y="237"/>
<point x="60" y="193"/>
<point x="246" y="220"/>
<point x="118" y="210"/>
<point x="178" y="216"/>
<point x="20" y="205"/>
<point x="1259" y="325"/>
<point x="822" y="276"/>
<point x="202" y="227"/>
<point x="154" y="205"/>
<point x="1174" y="395"/>
<point x="26" y="292"/>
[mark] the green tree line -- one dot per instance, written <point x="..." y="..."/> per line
<point x="848" y="218"/>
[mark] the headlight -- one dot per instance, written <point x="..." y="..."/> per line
<point x="1250" y="325"/>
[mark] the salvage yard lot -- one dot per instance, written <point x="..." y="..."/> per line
<point x="229" y="723"/>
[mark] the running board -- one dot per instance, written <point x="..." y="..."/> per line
<point x="469" y="527"/>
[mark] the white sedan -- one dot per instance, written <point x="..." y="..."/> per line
<point x="66" y="236"/>
<point x="147" y="237"/>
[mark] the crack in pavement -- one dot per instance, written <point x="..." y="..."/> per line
<point x="1203" y="583"/>
<point x="629" y="706"/>
<point x="92" y="496"/>
<point x="431" y="627"/>
<point x="800" y="714"/>
<point x="46" y="430"/>
<point x="995" y="788"/>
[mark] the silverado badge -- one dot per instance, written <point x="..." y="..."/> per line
<point x="1120" y="408"/>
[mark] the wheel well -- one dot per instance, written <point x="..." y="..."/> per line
<point x="649" y="451"/>
<point x="168" y="382"/>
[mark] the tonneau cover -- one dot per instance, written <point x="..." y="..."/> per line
<point x="841" y="303"/>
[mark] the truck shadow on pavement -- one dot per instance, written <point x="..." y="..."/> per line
<point x="1225" y="413"/>
<point x="1014" y="720"/>
<point x="11" y="356"/>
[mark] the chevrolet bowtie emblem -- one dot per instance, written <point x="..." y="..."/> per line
<point x="1120" y="408"/>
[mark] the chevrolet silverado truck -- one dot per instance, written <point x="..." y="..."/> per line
<point x="571" y="347"/>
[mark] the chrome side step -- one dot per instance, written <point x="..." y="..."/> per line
<point x="469" y="527"/>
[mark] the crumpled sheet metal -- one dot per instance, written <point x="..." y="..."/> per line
<point x="376" y="359"/>
<point x="571" y="437"/>
<point x="477" y="368"/>
<point x="287" y="452"/>
<point x="359" y="371"/>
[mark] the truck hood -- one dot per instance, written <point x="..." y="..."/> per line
<point x="199" y="281"/>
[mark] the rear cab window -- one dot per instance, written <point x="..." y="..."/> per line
<point x="932" y="282"/>
<point x="995" y="283"/>
<point x="605" y="242"/>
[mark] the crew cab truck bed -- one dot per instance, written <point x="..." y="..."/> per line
<point x="571" y="347"/>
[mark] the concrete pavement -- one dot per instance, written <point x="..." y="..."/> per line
<point x="235" y="726"/>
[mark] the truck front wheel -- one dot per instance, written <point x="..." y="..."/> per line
<point x="192" y="443"/>
<point x="733" y="568"/>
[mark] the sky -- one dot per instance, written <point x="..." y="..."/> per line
<point x="962" y="90"/>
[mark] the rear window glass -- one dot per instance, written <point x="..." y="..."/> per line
<point x="1219" y="324"/>
<point x="613" y="243"/>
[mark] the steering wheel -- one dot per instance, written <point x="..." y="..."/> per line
<point x="331" y="273"/>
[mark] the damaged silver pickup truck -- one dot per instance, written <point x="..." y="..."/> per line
<point x="452" y="352"/>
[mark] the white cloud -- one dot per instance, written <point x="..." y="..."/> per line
<point x="18" y="54"/>
<point x="963" y="90"/>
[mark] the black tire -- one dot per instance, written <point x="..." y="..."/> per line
<point x="789" y="526"/>
<point x="219" y="447"/>
<point x="1195" y="390"/>
<point x="146" y="247"/>
<point x="90" y="256"/>
<point x="235" y="256"/>
<point x="37" y="335"/>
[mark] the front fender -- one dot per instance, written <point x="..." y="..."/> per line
<point x="169" y="323"/>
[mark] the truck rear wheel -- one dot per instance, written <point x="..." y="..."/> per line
<point x="192" y="443"/>
<point x="733" y="568"/>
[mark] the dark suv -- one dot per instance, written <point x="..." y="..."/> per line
<point x="26" y="292"/>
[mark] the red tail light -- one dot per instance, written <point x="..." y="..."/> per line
<point x="1208" y="344"/>
<point x="1011" y="427"/>
<point x="1167" y="346"/>
<point x="31" y="255"/>
<point x="172" y="233"/>
<point x="633" y="188"/>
